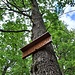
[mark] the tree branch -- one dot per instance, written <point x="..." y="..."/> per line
<point x="16" y="12"/>
<point x="14" y="5"/>
<point x="10" y="9"/>
<point x="1" y="30"/>
<point x="66" y="13"/>
<point x="18" y="7"/>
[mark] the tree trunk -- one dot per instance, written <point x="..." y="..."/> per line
<point x="44" y="61"/>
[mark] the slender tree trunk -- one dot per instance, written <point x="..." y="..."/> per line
<point x="44" y="61"/>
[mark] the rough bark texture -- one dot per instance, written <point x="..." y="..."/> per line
<point x="44" y="61"/>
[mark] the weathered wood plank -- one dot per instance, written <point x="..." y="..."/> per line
<point x="36" y="44"/>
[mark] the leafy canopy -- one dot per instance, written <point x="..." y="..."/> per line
<point x="15" y="15"/>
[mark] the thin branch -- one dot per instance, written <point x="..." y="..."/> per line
<point x="10" y="9"/>
<point x="1" y="30"/>
<point x="66" y="13"/>
<point x="16" y="12"/>
<point x="18" y="7"/>
<point x="59" y="17"/>
<point x="26" y="10"/>
<point x="6" y="4"/>
<point x="14" y="5"/>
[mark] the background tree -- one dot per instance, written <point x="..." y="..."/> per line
<point x="10" y="59"/>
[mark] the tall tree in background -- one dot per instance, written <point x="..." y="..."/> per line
<point x="44" y="61"/>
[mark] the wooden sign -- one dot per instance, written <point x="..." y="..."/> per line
<point x="36" y="44"/>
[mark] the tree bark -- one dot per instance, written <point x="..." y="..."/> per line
<point x="44" y="61"/>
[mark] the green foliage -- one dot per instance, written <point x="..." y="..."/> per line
<point x="11" y="43"/>
<point x="63" y="42"/>
<point x="1" y="12"/>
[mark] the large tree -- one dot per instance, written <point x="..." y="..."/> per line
<point x="44" y="61"/>
<point x="39" y="12"/>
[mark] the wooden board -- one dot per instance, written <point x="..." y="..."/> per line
<point x="36" y="44"/>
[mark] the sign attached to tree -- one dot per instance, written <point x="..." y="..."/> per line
<point x="38" y="43"/>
